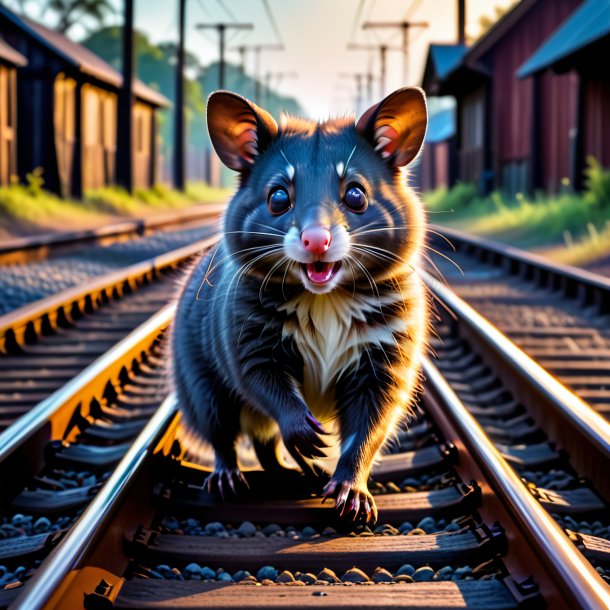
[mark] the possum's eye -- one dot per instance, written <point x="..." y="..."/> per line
<point x="355" y="198"/>
<point x="278" y="201"/>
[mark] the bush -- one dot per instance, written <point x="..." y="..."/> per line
<point x="112" y="200"/>
<point x="461" y="196"/>
<point x="597" y="185"/>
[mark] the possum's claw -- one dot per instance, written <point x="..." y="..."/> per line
<point x="223" y="479"/>
<point x="303" y="436"/>
<point x="351" y="501"/>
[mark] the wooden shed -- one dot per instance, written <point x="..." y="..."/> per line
<point x="68" y="112"/>
<point x="10" y="60"/>
<point x="437" y="164"/>
<point x="513" y="134"/>
<point x="582" y="43"/>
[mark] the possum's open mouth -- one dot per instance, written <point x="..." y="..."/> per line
<point x="320" y="272"/>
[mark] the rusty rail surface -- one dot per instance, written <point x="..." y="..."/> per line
<point x="501" y="524"/>
<point x="39" y="247"/>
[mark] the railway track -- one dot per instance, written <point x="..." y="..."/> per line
<point x="495" y="497"/>
<point x="56" y="458"/>
<point x="558" y="315"/>
<point x="457" y="528"/>
<point x="45" y="343"/>
<point x="35" y="268"/>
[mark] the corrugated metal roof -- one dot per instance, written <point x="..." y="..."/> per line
<point x="86" y="61"/>
<point x="446" y="57"/>
<point x="82" y="58"/>
<point x="585" y="25"/>
<point x="441" y="126"/>
<point x="10" y="55"/>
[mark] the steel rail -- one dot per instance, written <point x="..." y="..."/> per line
<point x="69" y="395"/>
<point x="38" y="247"/>
<point x="592" y="428"/>
<point x="86" y="531"/>
<point x="574" y="275"/>
<point x="18" y="320"/>
<point x="571" y="572"/>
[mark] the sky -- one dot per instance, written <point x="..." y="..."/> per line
<point x="315" y="35"/>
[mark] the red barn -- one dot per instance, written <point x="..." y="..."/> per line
<point x="68" y="112"/>
<point x="513" y="134"/>
<point x="582" y="43"/>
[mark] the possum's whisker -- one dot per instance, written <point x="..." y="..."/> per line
<point x="249" y="263"/>
<point x="383" y="228"/>
<point x="247" y="266"/>
<point x="252" y="233"/>
<point x="266" y="226"/>
<point x="351" y="268"/>
<point x="429" y="260"/>
<point x="449" y="242"/>
<point x="397" y="227"/>
<point x="267" y="277"/>
<point x="208" y="271"/>
<point x="252" y="249"/>
<point x="448" y="258"/>
<point x="284" y="278"/>
<point x="383" y="252"/>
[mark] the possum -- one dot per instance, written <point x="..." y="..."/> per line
<point x="309" y="313"/>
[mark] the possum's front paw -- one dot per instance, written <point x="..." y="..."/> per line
<point x="352" y="501"/>
<point x="302" y="434"/>
<point x="225" y="481"/>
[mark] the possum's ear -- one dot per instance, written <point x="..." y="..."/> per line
<point x="239" y="129"/>
<point x="396" y="126"/>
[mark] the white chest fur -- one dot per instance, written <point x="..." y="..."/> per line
<point x="331" y="340"/>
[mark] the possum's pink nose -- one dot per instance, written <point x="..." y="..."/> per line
<point x="316" y="239"/>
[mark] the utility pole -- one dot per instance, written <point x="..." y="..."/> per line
<point x="280" y="76"/>
<point x="359" y="77"/>
<point x="242" y="59"/>
<point x="383" y="49"/>
<point x="258" y="48"/>
<point x="405" y="26"/>
<point x="461" y="24"/>
<point x="222" y="28"/>
<point x="369" y="87"/>
<point x="126" y="102"/>
<point x="179" y="141"/>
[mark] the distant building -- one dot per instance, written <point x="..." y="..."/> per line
<point x="582" y="43"/>
<point x="512" y="134"/>
<point x="437" y="163"/>
<point x="68" y="112"/>
<point x="10" y="60"/>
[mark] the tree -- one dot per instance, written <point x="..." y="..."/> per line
<point x="71" y="12"/>
<point x="486" y="22"/>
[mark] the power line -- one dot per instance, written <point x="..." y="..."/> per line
<point x="382" y="49"/>
<point x="405" y="26"/>
<point x="203" y="7"/>
<point x="227" y="10"/>
<point x="257" y="48"/>
<point x="412" y="9"/>
<point x="274" y="25"/>
<point x="222" y="28"/>
<point x="356" y="20"/>
<point x="371" y="7"/>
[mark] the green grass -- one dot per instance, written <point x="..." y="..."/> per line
<point x="575" y="226"/>
<point x="26" y="209"/>
<point x="114" y="199"/>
